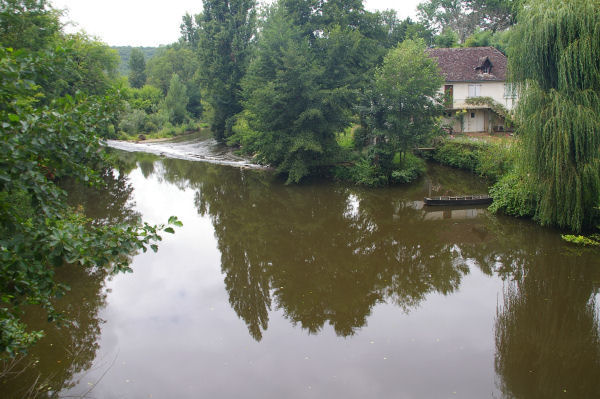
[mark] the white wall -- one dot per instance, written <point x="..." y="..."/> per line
<point x="494" y="90"/>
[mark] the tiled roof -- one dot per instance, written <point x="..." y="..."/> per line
<point x="468" y="64"/>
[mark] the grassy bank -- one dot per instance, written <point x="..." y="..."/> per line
<point x="167" y="132"/>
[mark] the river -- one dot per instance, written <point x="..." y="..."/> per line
<point x="321" y="290"/>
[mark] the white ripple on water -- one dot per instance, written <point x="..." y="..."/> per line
<point x="196" y="150"/>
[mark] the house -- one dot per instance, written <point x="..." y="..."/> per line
<point x="476" y="92"/>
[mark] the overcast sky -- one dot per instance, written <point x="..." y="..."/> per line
<point x="151" y="23"/>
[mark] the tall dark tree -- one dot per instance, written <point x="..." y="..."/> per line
<point x="137" y="68"/>
<point x="226" y="29"/>
<point x="291" y="102"/>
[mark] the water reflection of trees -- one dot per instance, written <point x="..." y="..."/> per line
<point x="313" y="253"/>
<point x="327" y="255"/>
<point x="547" y="332"/>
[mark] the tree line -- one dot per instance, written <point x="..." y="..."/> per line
<point x="311" y="87"/>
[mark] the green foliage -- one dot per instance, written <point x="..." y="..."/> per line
<point x="479" y="38"/>
<point x="28" y="24"/>
<point x="555" y="55"/>
<point x="408" y="169"/>
<point x="243" y="135"/>
<point x="291" y="100"/>
<point x="183" y="61"/>
<point x="489" y="159"/>
<point x="447" y="38"/>
<point x="125" y="54"/>
<point x="225" y="32"/>
<point x="399" y="113"/>
<point x="56" y="101"/>
<point x="466" y="16"/>
<point x="137" y="69"/>
<point x="133" y="122"/>
<point x="593" y="241"/>
<point x="451" y="15"/>
<point x="514" y="194"/>
<point x="366" y="172"/>
<point x="176" y="101"/>
<point x="345" y="139"/>
<point x="483" y="38"/>
<point x="147" y="98"/>
<point x="76" y="63"/>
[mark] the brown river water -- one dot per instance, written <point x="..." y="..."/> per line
<point x="321" y="290"/>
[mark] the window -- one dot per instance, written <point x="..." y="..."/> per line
<point x="472" y="114"/>
<point x="510" y="90"/>
<point x="448" y="95"/>
<point x="474" y="90"/>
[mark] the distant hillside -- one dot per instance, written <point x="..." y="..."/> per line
<point x="124" y="53"/>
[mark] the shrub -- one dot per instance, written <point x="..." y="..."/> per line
<point x="133" y="121"/>
<point x="409" y="169"/>
<point x="514" y="194"/>
<point x="490" y="160"/>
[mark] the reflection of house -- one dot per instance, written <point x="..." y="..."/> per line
<point x="473" y="76"/>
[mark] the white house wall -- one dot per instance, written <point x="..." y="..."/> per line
<point x="495" y="90"/>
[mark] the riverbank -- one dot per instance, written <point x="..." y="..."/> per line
<point x="496" y="159"/>
<point x="197" y="130"/>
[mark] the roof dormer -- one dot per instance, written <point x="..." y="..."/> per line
<point x="485" y="65"/>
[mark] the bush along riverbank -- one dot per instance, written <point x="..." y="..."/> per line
<point x="513" y="189"/>
<point x="489" y="159"/>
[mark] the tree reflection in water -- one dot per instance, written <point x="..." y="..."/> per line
<point x="321" y="255"/>
<point x="547" y="331"/>
<point x="328" y="255"/>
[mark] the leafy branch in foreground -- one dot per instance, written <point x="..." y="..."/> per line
<point x="42" y="143"/>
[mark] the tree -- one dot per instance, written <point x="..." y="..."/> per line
<point x="137" y="69"/>
<point x="183" y="61"/>
<point x="495" y="15"/>
<point x="176" y="101"/>
<point x="554" y="54"/>
<point x="403" y="104"/>
<point x="292" y="104"/>
<point x="448" y="14"/>
<point x="226" y="32"/>
<point x="447" y="38"/>
<point x="30" y="24"/>
<point x="465" y="16"/>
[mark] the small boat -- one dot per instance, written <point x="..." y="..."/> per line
<point x="481" y="199"/>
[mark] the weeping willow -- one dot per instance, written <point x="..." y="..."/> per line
<point x="555" y="56"/>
